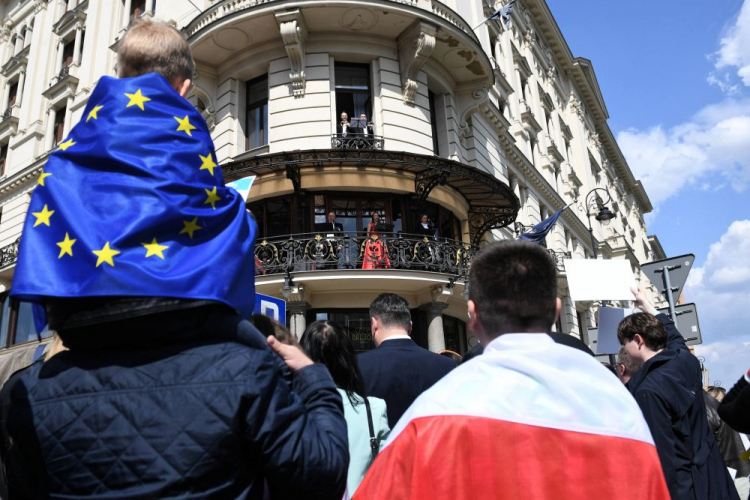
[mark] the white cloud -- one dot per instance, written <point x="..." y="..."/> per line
<point x="721" y="291"/>
<point x="734" y="52"/>
<point x="714" y="141"/>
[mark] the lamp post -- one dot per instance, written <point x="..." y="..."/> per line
<point x="594" y="202"/>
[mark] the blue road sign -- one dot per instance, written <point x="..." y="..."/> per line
<point x="271" y="307"/>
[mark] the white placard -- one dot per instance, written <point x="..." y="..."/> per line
<point x="609" y="319"/>
<point x="594" y="279"/>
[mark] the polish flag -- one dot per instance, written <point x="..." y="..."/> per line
<point x="529" y="419"/>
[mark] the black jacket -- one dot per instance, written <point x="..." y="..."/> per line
<point x="182" y="408"/>
<point x="735" y="409"/>
<point x="730" y="442"/>
<point x="398" y="371"/>
<point x="669" y="391"/>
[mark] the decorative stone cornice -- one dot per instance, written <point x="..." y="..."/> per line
<point x="575" y="106"/>
<point x="294" y="33"/>
<point x="415" y="45"/>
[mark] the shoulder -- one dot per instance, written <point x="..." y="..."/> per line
<point x="377" y="404"/>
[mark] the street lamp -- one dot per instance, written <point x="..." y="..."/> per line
<point x="595" y="205"/>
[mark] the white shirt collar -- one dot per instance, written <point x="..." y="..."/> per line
<point x="396" y="337"/>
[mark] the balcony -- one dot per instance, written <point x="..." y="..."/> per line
<point x="417" y="30"/>
<point x="9" y="254"/>
<point x="357" y="141"/>
<point x="9" y="121"/>
<point x="387" y="251"/>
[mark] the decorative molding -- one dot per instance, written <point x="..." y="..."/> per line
<point x="415" y="45"/>
<point x="481" y="96"/>
<point x="294" y="33"/>
<point x="574" y="104"/>
<point x="39" y="5"/>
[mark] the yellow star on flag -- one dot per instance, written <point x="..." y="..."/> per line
<point x="212" y="197"/>
<point x="208" y="163"/>
<point x="105" y="255"/>
<point x="65" y="145"/>
<point x="66" y="246"/>
<point x="92" y="113"/>
<point x="42" y="176"/>
<point x="137" y="99"/>
<point x="185" y="125"/>
<point x="43" y="216"/>
<point x="191" y="226"/>
<point x="154" y="248"/>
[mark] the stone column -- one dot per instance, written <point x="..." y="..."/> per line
<point x="435" y="333"/>
<point x="50" y="133"/>
<point x="21" y="83"/>
<point x="59" y="63"/>
<point x="77" y="46"/>
<point x="297" y="317"/>
<point x="6" y="96"/>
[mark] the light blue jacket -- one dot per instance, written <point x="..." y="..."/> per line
<point x="360" y="453"/>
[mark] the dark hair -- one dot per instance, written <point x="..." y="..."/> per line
<point x="453" y="355"/>
<point x="372" y="217"/>
<point x="647" y="326"/>
<point x="269" y="326"/>
<point x="326" y="342"/>
<point x="513" y="285"/>
<point x="391" y="310"/>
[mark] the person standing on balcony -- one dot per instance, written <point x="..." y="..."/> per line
<point x="376" y="253"/>
<point x="367" y="130"/>
<point x="342" y="128"/>
<point x="140" y="260"/>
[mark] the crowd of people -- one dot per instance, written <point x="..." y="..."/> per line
<point x="180" y="396"/>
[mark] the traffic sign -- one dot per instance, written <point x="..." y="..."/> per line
<point x="271" y="307"/>
<point x="679" y="268"/>
<point x="687" y="322"/>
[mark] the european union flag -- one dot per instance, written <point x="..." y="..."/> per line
<point x="539" y="232"/>
<point x="133" y="203"/>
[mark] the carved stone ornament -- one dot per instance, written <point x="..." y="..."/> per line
<point x="39" y="5"/>
<point x="480" y="97"/>
<point x="552" y="74"/>
<point x="575" y="106"/>
<point x="415" y="45"/>
<point x="293" y="34"/>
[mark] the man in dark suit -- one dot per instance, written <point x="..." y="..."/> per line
<point x="398" y="370"/>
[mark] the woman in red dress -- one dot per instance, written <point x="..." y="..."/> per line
<point x="376" y="253"/>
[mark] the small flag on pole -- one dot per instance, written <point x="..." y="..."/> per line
<point x="539" y="232"/>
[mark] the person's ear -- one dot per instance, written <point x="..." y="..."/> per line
<point x="183" y="87"/>
<point x="558" y="308"/>
<point x="638" y="340"/>
<point x="410" y="325"/>
<point x="620" y="370"/>
<point x="474" y="324"/>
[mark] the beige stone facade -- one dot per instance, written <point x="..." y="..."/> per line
<point x="505" y="111"/>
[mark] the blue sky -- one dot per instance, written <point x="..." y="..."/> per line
<point x="675" y="75"/>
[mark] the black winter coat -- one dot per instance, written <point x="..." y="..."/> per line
<point x="730" y="442"/>
<point x="735" y="409"/>
<point x="177" y="412"/>
<point x="669" y="391"/>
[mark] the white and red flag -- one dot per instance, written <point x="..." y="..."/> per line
<point x="529" y="419"/>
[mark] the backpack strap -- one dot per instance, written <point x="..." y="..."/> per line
<point x="373" y="440"/>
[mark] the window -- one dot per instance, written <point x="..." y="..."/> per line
<point x="256" y="123"/>
<point x="59" y="127"/>
<point x="3" y="159"/>
<point x="353" y="90"/>
<point x="137" y="8"/>
<point x="67" y="55"/>
<point x="433" y="123"/>
<point x="12" y="95"/>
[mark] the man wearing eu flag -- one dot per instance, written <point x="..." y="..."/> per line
<point x="140" y="257"/>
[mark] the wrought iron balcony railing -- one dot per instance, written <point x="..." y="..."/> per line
<point x="9" y="253"/>
<point x="65" y="71"/>
<point x="321" y="251"/>
<point x="558" y="257"/>
<point x="7" y="113"/>
<point x="356" y="141"/>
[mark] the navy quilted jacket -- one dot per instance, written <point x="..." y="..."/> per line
<point x="196" y="418"/>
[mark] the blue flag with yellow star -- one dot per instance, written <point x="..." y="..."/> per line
<point x="133" y="203"/>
